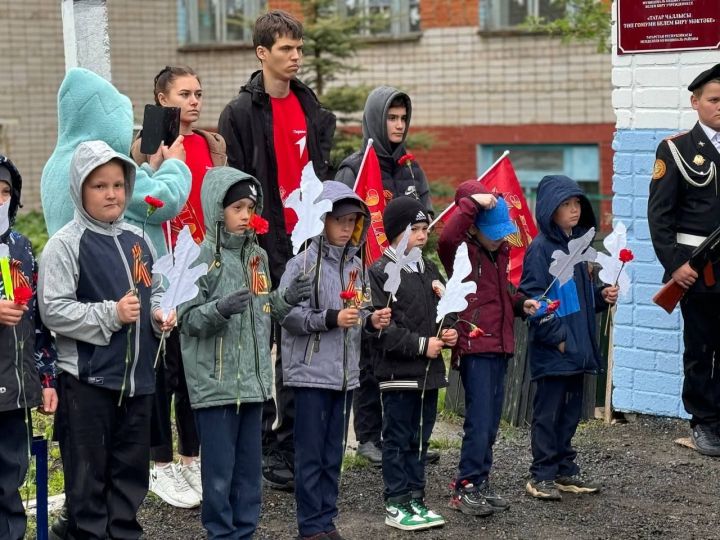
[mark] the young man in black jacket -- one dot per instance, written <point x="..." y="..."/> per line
<point x="272" y="128"/>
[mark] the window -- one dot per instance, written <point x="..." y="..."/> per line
<point x="387" y="17"/>
<point x="218" y="21"/>
<point x="498" y="14"/>
<point x="532" y="162"/>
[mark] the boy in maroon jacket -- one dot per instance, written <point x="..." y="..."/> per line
<point x="485" y="337"/>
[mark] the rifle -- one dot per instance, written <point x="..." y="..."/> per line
<point x="703" y="258"/>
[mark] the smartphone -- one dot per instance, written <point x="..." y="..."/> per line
<point x="160" y="124"/>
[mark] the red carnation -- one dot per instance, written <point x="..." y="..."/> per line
<point x="259" y="224"/>
<point x="406" y="159"/>
<point x="476" y="331"/>
<point x="22" y="295"/>
<point x="347" y="295"/>
<point x="155" y="203"/>
<point x="552" y="306"/>
<point x="626" y="256"/>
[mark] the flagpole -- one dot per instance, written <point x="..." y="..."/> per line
<point x="362" y="164"/>
<point x="478" y="179"/>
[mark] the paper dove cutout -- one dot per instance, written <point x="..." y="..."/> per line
<point x="4" y="219"/>
<point x="579" y="250"/>
<point x="182" y="279"/>
<point x="393" y="269"/>
<point x="612" y="267"/>
<point x="309" y="212"/>
<point x="456" y="291"/>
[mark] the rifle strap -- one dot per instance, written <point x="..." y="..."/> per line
<point x="709" y="275"/>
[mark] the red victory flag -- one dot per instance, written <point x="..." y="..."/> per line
<point x="369" y="187"/>
<point x="501" y="179"/>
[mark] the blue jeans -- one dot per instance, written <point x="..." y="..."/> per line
<point x="231" y="469"/>
<point x="402" y="467"/>
<point x="557" y="407"/>
<point x="320" y="428"/>
<point x="483" y="378"/>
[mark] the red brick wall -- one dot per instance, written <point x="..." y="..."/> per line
<point x="448" y="13"/>
<point x="293" y="6"/>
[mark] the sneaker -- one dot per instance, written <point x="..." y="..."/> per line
<point x="277" y="472"/>
<point x="432" y="456"/>
<point x="545" y="490"/>
<point x="334" y="535"/>
<point x="402" y="516"/>
<point x="467" y="499"/>
<point x="59" y="527"/>
<point x="370" y="451"/>
<point x="576" y="484"/>
<point x="191" y="474"/>
<point x="168" y="484"/>
<point x="706" y="440"/>
<point x="433" y="519"/>
<point x="496" y="501"/>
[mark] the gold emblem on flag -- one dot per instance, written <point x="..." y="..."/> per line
<point x="698" y="160"/>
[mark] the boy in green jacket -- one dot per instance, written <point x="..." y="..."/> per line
<point x="226" y="350"/>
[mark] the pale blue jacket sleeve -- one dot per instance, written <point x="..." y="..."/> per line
<point x="170" y="183"/>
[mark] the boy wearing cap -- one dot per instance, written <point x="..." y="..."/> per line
<point x="562" y="345"/>
<point x="486" y="340"/>
<point x="683" y="209"/>
<point x="321" y="353"/>
<point x="407" y="360"/>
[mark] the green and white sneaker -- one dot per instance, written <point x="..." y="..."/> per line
<point x="402" y="516"/>
<point x="433" y="519"/>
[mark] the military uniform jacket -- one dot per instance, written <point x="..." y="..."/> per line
<point x="684" y="199"/>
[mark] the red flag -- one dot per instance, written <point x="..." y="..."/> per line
<point x="500" y="179"/>
<point x="369" y="188"/>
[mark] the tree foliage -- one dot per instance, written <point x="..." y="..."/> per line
<point x="584" y="20"/>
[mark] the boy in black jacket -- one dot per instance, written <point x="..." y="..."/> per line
<point x="408" y="384"/>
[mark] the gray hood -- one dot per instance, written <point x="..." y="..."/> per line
<point x="337" y="191"/>
<point x="87" y="157"/>
<point x="374" y="123"/>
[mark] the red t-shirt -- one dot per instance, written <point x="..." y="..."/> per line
<point x="198" y="160"/>
<point x="291" y="155"/>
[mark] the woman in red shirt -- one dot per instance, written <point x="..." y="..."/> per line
<point x="179" y="485"/>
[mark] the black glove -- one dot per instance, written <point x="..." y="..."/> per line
<point x="233" y="303"/>
<point x="299" y="289"/>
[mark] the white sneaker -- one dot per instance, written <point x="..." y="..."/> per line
<point x="191" y="474"/>
<point x="168" y="484"/>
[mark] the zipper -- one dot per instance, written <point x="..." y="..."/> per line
<point x="252" y="329"/>
<point x="345" y="330"/>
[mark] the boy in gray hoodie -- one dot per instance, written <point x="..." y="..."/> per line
<point x="321" y="352"/>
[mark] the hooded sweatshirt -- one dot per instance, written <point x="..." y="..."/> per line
<point x="90" y="109"/>
<point x="397" y="179"/>
<point x="22" y="374"/>
<point x="315" y="351"/>
<point x="574" y="321"/>
<point x="86" y="267"/>
<point x="227" y="360"/>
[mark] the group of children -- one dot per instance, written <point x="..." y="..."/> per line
<point x="96" y="293"/>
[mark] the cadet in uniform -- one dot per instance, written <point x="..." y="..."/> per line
<point x="683" y="209"/>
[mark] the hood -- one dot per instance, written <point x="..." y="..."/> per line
<point x="469" y="188"/>
<point x="374" y="123"/>
<point x="216" y="183"/>
<point x="337" y="191"/>
<point x="553" y="190"/>
<point x="16" y="181"/>
<point x="88" y="157"/>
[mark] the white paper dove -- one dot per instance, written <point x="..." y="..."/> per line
<point x="181" y="278"/>
<point x="578" y="251"/>
<point x="612" y="267"/>
<point x="393" y="269"/>
<point x="310" y="211"/>
<point x="4" y="219"/>
<point x="456" y="291"/>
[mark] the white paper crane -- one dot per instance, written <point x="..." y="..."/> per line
<point x="393" y="269"/>
<point x="456" y="291"/>
<point x="579" y="250"/>
<point x="613" y="268"/>
<point x="310" y="211"/>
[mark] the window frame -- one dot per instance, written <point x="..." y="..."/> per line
<point x="491" y="14"/>
<point x="399" y="25"/>
<point x="189" y="29"/>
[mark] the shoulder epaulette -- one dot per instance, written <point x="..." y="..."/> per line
<point x="671" y="137"/>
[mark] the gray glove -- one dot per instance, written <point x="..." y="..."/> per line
<point x="298" y="290"/>
<point x="233" y="303"/>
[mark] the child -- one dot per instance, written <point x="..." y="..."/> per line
<point x="97" y="295"/>
<point x="27" y="358"/>
<point x="562" y="346"/>
<point x="408" y="385"/>
<point x="225" y="344"/>
<point x="486" y="341"/>
<point x="320" y="356"/>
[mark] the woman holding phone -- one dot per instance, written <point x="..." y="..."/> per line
<point x="179" y="484"/>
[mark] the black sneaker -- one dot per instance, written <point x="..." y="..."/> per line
<point x="577" y="484"/>
<point x="59" y="527"/>
<point x="432" y="456"/>
<point x="706" y="440"/>
<point x="467" y="499"/>
<point x="496" y="501"/>
<point x="277" y="472"/>
<point x="545" y="490"/>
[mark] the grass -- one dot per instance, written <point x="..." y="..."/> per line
<point x="353" y="461"/>
<point x="444" y="443"/>
<point x="32" y="225"/>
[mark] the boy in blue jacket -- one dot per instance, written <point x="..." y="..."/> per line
<point x="562" y="345"/>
